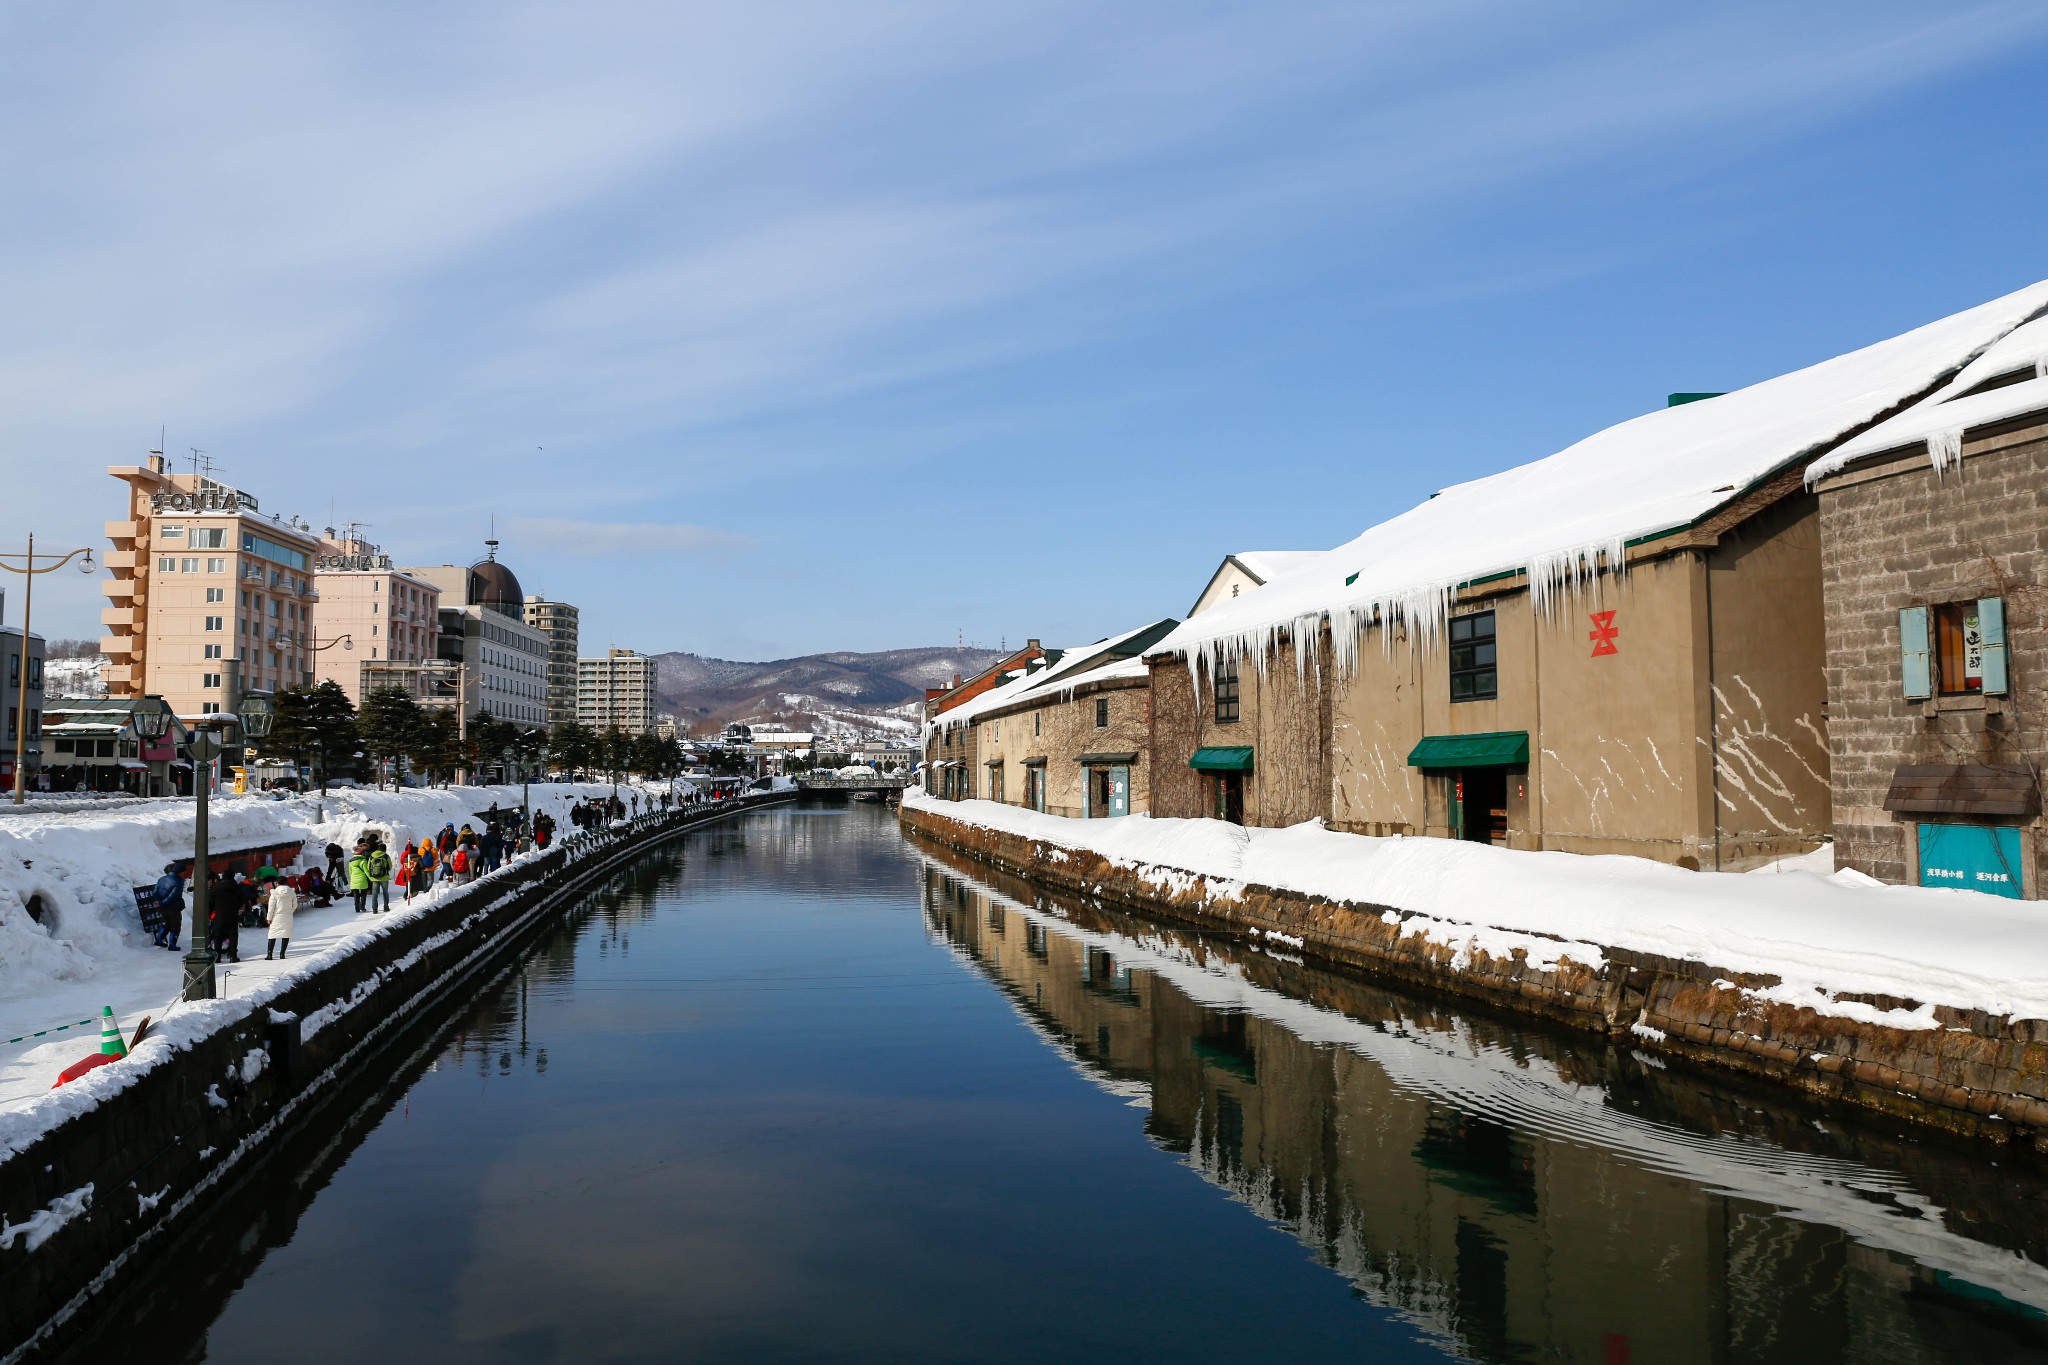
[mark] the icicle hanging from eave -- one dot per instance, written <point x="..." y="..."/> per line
<point x="1945" y="450"/>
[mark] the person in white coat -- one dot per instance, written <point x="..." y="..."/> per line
<point x="284" y="903"/>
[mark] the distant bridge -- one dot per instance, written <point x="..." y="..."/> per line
<point x="833" y="782"/>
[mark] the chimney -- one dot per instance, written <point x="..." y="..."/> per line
<point x="956" y="681"/>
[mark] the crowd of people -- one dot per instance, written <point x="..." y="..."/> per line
<point x="271" y="898"/>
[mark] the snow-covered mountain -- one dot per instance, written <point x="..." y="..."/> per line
<point x="873" y="696"/>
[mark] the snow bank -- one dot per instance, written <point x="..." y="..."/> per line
<point x="89" y="950"/>
<point x="1562" y="518"/>
<point x="1822" y="936"/>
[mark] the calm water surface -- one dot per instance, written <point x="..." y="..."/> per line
<point x="794" y="1090"/>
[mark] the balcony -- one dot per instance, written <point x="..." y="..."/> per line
<point x="121" y="559"/>
<point x="123" y="530"/>
<point x="121" y="618"/>
<point x="124" y="590"/>
<point x="117" y="646"/>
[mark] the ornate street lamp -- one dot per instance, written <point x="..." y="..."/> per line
<point x="207" y="744"/>
<point x="525" y="778"/>
<point x="28" y="570"/>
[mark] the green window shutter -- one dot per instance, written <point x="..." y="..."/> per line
<point x="1991" y="630"/>
<point x="1913" y="659"/>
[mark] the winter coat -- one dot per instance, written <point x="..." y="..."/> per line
<point x="284" y="903"/>
<point x="170" y="896"/>
<point x="378" y="865"/>
<point x="447" y="839"/>
<point x="359" y="873"/>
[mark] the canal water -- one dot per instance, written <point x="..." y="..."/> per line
<point x="797" y="1089"/>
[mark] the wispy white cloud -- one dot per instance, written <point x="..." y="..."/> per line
<point x="561" y="537"/>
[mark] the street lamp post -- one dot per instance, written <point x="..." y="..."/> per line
<point x="28" y="570"/>
<point x="207" y="743"/>
<point x="525" y="785"/>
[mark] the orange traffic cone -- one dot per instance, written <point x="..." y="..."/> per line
<point x="112" y="1049"/>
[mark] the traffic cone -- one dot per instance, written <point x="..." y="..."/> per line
<point x="110" y="1034"/>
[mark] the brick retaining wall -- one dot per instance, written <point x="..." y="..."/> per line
<point x="1974" y="1074"/>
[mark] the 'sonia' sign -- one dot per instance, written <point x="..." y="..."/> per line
<point x="205" y="500"/>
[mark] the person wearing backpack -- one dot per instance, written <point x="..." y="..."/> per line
<point x="458" y="864"/>
<point x="170" y="901"/>
<point x="424" y="864"/>
<point x="359" y="875"/>
<point x="378" y="866"/>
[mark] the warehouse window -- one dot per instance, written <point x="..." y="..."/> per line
<point x="1227" y="706"/>
<point x="1102" y="713"/>
<point x="1474" y="672"/>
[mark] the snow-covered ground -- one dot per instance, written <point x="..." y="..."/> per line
<point x="1823" y="934"/>
<point x="90" y="950"/>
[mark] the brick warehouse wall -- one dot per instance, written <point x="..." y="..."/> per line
<point x="1897" y="535"/>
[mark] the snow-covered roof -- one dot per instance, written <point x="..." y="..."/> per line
<point x="1022" y="683"/>
<point x="1939" y="420"/>
<point x="1558" y="518"/>
<point x="1267" y="565"/>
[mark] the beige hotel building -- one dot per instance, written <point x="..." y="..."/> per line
<point x="386" y="614"/>
<point x="209" y="598"/>
<point x="557" y="621"/>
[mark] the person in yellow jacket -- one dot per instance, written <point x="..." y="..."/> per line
<point x="359" y="874"/>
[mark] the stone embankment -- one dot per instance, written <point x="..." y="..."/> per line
<point x="106" y="1187"/>
<point x="1975" y="1074"/>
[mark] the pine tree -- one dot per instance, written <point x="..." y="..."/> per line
<point x="388" y="727"/>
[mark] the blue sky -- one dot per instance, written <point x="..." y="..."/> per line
<point x="771" y="328"/>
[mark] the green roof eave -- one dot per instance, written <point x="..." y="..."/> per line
<point x="1494" y="749"/>
<point x="1222" y="759"/>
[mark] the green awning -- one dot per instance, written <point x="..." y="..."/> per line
<point x="1237" y="759"/>
<point x="1500" y="748"/>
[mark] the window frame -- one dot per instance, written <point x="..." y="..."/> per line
<point x="1228" y="687"/>
<point x="1949" y="645"/>
<point x="1102" y="713"/>
<point x="1479" y="670"/>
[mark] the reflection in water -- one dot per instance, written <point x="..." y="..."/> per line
<point x="764" y="1097"/>
<point x="1517" y="1196"/>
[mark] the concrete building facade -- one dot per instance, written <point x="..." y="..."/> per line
<point x="369" y="612"/>
<point x="616" y="691"/>
<point x="208" y="597"/>
<point x="501" y="662"/>
<point x="559" y="622"/>
<point x="23" y="705"/>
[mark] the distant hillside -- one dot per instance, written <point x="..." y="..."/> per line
<point x="870" y="694"/>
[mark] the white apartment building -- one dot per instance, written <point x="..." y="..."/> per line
<point x="559" y="621"/>
<point x="209" y="598"/>
<point x="616" y="690"/>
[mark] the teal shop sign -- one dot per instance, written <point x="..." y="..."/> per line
<point x="1971" y="857"/>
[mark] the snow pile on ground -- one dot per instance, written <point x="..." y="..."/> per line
<point x="1823" y="936"/>
<point x="82" y="867"/>
<point x="90" y="950"/>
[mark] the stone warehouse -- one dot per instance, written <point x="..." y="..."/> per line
<point x="1934" y="547"/>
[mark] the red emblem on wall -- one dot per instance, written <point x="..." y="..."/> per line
<point x="1603" y="633"/>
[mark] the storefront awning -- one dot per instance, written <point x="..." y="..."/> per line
<point x="1034" y="763"/>
<point x="1225" y="759"/>
<point x="1495" y="749"/>
<point x="1961" y="789"/>
<point x="1108" y="760"/>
